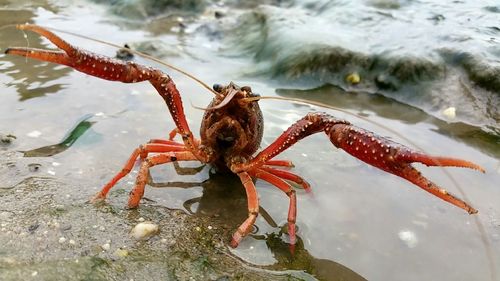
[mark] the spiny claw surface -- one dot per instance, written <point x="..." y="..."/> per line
<point x="396" y="159"/>
<point x="83" y="61"/>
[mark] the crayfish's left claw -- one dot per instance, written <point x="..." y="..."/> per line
<point x="60" y="43"/>
<point x="39" y="54"/>
<point x="88" y="62"/>
<point x="396" y="159"/>
<point x="62" y="56"/>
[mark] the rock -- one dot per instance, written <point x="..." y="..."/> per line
<point x="409" y="238"/>
<point x="6" y="139"/>
<point x="121" y="253"/>
<point x="450" y="112"/>
<point x="353" y="78"/>
<point x="144" y="230"/>
<point x="106" y="246"/>
<point x="124" y="53"/>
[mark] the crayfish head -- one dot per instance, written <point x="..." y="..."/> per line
<point x="231" y="94"/>
<point x="232" y="126"/>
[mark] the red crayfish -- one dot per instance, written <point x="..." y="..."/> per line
<point x="231" y="133"/>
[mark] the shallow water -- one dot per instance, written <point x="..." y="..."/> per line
<point x="358" y="218"/>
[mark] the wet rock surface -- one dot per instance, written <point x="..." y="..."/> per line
<point x="54" y="238"/>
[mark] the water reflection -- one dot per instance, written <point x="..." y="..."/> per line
<point x="375" y="254"/>
<point x="71" y="137"/>
<point x="323" y="269"/>
<point x="390" y="109"/>
<point x="224" y="200"/>
<point x="33" y="79"/>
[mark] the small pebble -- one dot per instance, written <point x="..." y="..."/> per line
<point x="198" y="228"/>
<point x="106" y="247"/>
<point x="62" y="240"/>
<point x="34" y="134"/>
<point x="125" y="53"/>
<point x="353" y="78"/>
<point x="218" y="14"/>
<point x="141" y="219"/>
<point x="450" y="112"/>
<point x="6" y="139"/>
<point x="409" y="238"/>
<point x="121" y="253"/>
<point x="144" y="230"/>
<point x="72" y="242"/>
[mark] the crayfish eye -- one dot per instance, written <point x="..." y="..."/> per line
<point x="217" y="88"/>
<point x="246" y="89"/>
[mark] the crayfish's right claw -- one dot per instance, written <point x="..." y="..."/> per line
<point x="396" y="159"/>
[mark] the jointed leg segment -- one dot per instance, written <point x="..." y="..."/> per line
<point x="253" y="209"/>
<point x="288" y="190"/>
<point x="143" y="175"/>
<point x="140" y="152"/>
<point x="288" y="176"/>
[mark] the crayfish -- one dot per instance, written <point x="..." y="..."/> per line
<point x="231" y="133"/>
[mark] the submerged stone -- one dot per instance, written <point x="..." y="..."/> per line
<point x="144" y="230"/>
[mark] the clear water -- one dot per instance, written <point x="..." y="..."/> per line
<point x="377" y="225"/>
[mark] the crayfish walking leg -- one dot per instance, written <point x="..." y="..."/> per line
<point x="253" y="209"/>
